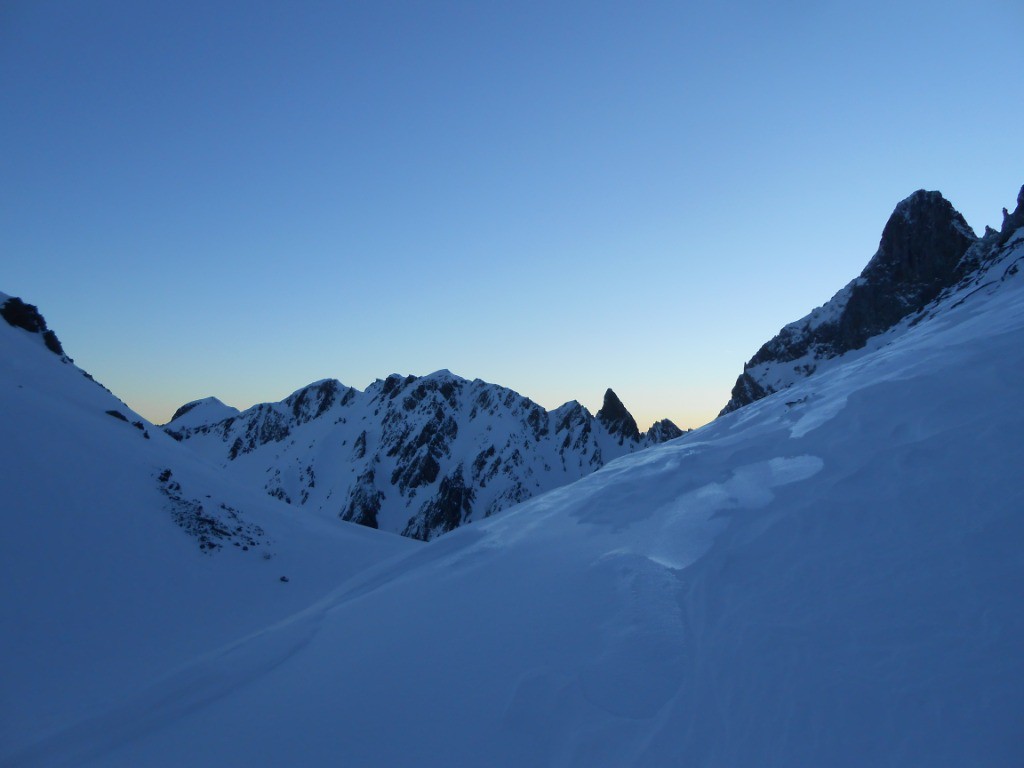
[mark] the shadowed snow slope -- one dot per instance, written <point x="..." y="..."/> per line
<point x="122" y="555"/>
<point x="830" y="576"/>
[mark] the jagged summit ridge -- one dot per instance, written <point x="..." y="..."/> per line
<point x="416" y="455"/>
<point x="926" y="248"/>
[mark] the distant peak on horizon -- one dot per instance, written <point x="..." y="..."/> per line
<point x="203" y="410"/>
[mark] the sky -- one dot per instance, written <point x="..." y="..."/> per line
<point x="237" y="199"/>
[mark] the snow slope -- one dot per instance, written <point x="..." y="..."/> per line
<point x="112" y="578"/>
<point x="830" y="576"/>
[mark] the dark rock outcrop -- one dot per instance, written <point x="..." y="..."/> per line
<point x="1012" y="221"/>
<point x="662" y="431"/>
<point x="445" y="511"/>
<point x="364" y="501"/>
<point x="919" y="255"/>
<point x="616" y="419"/>
<point x="26" y="316"/>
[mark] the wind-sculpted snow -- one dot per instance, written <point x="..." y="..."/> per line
<point x="830" y="576"/>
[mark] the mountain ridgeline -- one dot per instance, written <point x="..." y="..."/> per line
<point x="926" y="250"/>
<point x="418" y="456"/>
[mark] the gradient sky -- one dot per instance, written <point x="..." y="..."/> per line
<point x="236" y="199"/>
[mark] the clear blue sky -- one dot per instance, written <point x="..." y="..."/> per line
<point x="235" y="199"/>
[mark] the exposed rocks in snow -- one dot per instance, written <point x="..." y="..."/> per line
<point x="663" y="431"/>
<point x="121" y="417"/>
<point x="26" y="316"/>
<point x="211" y="526"/>
<point x="446" y="510"/>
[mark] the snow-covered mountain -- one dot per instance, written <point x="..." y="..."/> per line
<point x="412" y="455"/>
<point x="829" y="576"/>
<point x="926" y="248"/>
<point x="208" y="410"/>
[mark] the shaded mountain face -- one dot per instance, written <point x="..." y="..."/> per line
<point x="418" y="456"/>
<point x="926" y="248"/>
<point x="614" y="417"/>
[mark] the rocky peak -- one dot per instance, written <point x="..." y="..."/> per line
<point x="314" y="400"/>
<point x="662" y="431"/>
<point x="616" y="419"/>
<point x="919" y="255"/>
<point x="921" y="244"/>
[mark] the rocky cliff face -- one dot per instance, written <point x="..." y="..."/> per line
<point x="415" y="455"/>
<point x="926" y="249"/>
<point x="614" y="417"/>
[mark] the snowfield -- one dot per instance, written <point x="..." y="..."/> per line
<point x="102" y="591"/>
<point x="831" y="576"/>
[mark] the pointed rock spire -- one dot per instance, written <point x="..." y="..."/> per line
<point x="616" y="419"/>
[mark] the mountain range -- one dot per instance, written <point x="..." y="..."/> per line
<point x="412" y="455"/>
<point x="827" y="574"/>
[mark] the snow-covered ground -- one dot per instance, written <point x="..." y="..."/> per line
<point x="102" y="591"/>
<point x="830" y="576"/>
